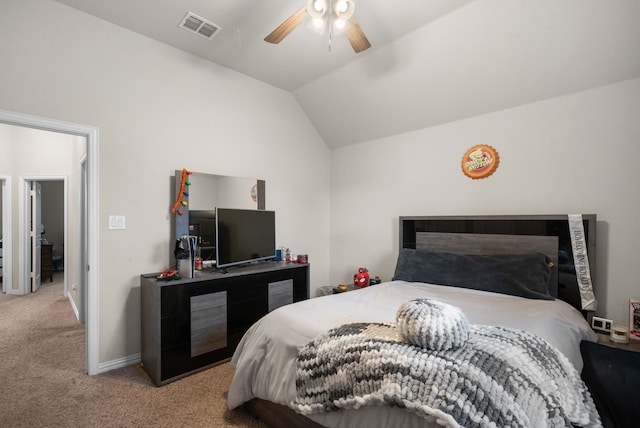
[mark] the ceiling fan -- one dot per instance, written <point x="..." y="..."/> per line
<point x="336" y="15"/>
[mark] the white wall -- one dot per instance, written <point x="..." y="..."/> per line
<point x="572" y="154"/>
<point x="140" y="94"/>
<point x="32" y="153"/>
<point x="486" y="56"/>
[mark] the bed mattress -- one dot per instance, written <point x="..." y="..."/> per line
<point x="265" y="359"/>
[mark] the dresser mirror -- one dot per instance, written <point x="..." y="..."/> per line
<point x="208" y="191"/>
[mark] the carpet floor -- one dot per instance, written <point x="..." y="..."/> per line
<point x="43" y="381"/>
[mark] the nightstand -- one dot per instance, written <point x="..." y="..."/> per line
<point x="324" y="291"/>
<point x="612" y="373"/>
<point x="350" y="287"/>
<point x="633" y="345"/>
<point x="329" y="289"/>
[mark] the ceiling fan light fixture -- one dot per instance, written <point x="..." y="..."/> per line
<point x="335" y="14"/>
<point x="344" y="9"/>
<point x="318" y="25"/>
<point x="339" y="24"/>
<point x="317" y="8"/>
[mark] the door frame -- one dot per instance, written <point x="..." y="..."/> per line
<point x="82" y="312"/>
<point x="24" y="214"/>
<point x="7" y="238"/>
<point x="90" y="133"/>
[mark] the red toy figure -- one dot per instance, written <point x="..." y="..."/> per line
<point x="361" y="279"/>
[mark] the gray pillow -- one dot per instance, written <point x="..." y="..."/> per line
<point x="524" y="275"/>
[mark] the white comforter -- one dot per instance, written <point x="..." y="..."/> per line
<point x="265" y="358"/>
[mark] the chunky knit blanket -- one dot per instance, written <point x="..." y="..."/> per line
<point x="484" y="377"/>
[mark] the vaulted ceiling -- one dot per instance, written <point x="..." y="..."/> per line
<point x="431" y="61"/>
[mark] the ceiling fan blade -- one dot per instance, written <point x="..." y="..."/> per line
<point x="356" y="37"/>
<point x="283" y="30"/>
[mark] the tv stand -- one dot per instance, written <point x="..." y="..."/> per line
<point x="225" y="269"/>
<point x="191" y="324"/>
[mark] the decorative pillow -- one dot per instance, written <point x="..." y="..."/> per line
<point x="524" y="275"/>
<point x="432" y="324"/>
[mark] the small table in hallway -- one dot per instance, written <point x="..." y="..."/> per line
<point x="46" y="262"/>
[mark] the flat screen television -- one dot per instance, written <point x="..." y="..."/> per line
<point x="244" y="236"/>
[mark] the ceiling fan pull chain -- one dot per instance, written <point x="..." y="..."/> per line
<point x="330" y="38"/>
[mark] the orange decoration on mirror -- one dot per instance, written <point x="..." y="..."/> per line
<point x="480" y="161"/>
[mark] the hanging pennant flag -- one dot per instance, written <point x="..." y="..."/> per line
<point x="581" y="262"/>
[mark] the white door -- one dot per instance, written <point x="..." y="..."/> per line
<point x="36" y="234"/>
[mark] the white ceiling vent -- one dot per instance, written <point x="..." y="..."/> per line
<point x="200" y="26"/>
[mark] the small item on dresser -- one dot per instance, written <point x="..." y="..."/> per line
<point x="169" y="275"/>
<point x="374" y="281"/>
<point x="634" y="318"/>
<point x="361" y="279"/>
<point x="619" y="334"/>
<point x="303" y="258"/>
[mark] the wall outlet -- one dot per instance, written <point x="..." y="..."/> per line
<point x="601" y="324"/>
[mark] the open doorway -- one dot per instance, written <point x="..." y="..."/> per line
<point x="89" y="162"/>
<point x="46" y="234"/>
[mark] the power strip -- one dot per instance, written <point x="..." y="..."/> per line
<point x="601" y="324"/>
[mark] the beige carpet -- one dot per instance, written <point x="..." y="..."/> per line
<point x="43" y="383"/>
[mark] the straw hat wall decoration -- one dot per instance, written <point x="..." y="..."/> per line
<point x="480" y="162"/>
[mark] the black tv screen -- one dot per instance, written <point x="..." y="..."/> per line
<point x="244" y="235"/>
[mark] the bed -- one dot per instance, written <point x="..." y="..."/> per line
<point x="294" y="366"/>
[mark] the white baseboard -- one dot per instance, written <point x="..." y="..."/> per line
<point x="119" y="363"/>
<point x="73" y="306"/>
<point x="113" y="364"/>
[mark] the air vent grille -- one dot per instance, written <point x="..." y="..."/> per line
<point x="200" y="26"/>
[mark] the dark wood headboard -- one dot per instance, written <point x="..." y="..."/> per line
<point x="547" y="234"/>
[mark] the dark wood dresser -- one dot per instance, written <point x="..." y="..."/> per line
<point x="191" y="324"/>
<point x="46" y="264"/>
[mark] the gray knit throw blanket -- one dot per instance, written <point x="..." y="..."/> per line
<point x="432" y="362"/>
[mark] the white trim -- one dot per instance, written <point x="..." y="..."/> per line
<point x="119" y="363"/>
<point x="65" y="254"/>
<point x="24" y="254"/>
<point x="7" y="236"/>
<point x="81" y="295"/>
<point x="93" y="150"/>
<point x="73" y="304"/>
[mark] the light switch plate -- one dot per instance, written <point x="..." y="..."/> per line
<point x="116" y="222"/>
